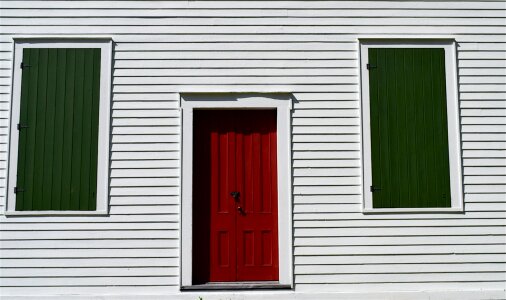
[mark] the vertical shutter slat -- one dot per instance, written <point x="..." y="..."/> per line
<point x="23" y="119"/>
<point x="32" y="123"/>
<point x="77" y="131"/>
<point x="409" y="138"/>
<point x="86" y="131"/>
<point x="59" y="128"/>
<point x="374" y="119"/>
<point x="48" y="143"/>
<point x="57" y="153"/>
<point x="443" y="164"/>
<point x="40" y="130"/>
<point x="95" y="104"/>
<point x="67" y="134"/>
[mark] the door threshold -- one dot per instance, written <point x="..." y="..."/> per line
<point x="239" y="285"/>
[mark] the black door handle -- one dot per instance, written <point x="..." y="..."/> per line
<point x="235" y="195"/>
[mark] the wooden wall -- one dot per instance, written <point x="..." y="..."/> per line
<point x="309" y="48"/>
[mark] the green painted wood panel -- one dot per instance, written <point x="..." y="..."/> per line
<point x="409" y="131"/>
<point x="58" y="139"/>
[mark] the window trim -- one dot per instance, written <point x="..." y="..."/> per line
<point x="105" y="44"/>
<point x="282" y="102"/>
<point x="454" y="140"/>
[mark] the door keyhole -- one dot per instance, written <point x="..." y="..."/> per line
<point x="241" y="211"/>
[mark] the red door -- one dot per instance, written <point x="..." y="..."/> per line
<point x="235" y="234"/>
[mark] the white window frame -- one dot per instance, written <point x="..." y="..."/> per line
<point x="105" y="44"/>
<point x="282" y="103"/>
<point x="454" y="144"/>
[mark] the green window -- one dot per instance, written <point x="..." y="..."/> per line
<point x="408" y="125"/>
<point x="58" y="130"/>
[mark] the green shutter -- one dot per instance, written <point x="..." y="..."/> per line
<point x="409" y="134"/>
<point x="58" y="130"/>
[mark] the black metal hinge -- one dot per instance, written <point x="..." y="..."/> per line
<point x="369" y="66"/>
<point x="23" y="65"/>
<point x="21" y="126"/>
<point x="18" y="190"/>
<point x="375" y="189"/>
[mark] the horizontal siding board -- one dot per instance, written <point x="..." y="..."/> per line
<point x="146" y="191"/>
<point x="89" y="234"/>
<point x="406" y="268"/>
<point x="357" y="215"/>
<point x="237" y="12"/>
<point x="220" y="55"/>
<point x="259" y="4"/>
<point x="89" y="262"/>
<point x="383" y="278"/>
<point x="140" y="164"/>
<point x="90" y="243"/>
<point x="231" y="72"/>
<point x="254" y="29"/>
<point x="90" y="281"/>
<point x="484" y="112"/>
<point x="484" y="171"/>
<point x="499" y="197"/>
<point x="69" y="253"/>
<point x="393" y="231"/>
<point x="227" y="80"/>
<point x="267" y="21"/>
<point x="401" y="223"/>
<point x="399" y="259"/>
<point x="405" y="286"/>
<point x="63" y="290"/>
<point x="168" y="224"/>
<point x="393" y="241"/>
<point x="89" y="272"/>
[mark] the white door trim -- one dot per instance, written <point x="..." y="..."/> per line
<point x="283" y="104"/>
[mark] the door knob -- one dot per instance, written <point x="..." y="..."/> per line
<point x="235" y="195"/>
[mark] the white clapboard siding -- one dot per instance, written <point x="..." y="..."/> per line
<point x="392" y="241"/>
<point x="310" y="49"/>
<point x="81" y="263"/>
<point x="272" y="21"/>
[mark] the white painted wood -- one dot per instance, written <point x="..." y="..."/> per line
<point x="282" y="103"/>
<point x="290" y="21"/>
<point x="105" y="44"/>
<point x="309" y="49"/>
<point x="159" y="293"/>
<point x="256" y="4"/>
<point x="454" y="149"/>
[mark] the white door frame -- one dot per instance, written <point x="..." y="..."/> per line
<point x="282" y="103"/>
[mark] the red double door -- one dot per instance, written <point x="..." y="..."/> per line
<point x="235" y="228"/>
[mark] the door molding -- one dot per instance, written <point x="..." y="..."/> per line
<point x="282" y="103"/>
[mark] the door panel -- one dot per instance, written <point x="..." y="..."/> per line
<point x="213" y="212"/>
<point x="235" y="237"/>
<point x="257" y="181"/>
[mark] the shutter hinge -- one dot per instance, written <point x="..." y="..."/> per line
<point x="369" y="66"/>
<point x="23" y="65"/>
<point x="21" y="126"/>
<point x="18" y="190"/>
<point x="375" y="189"/>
